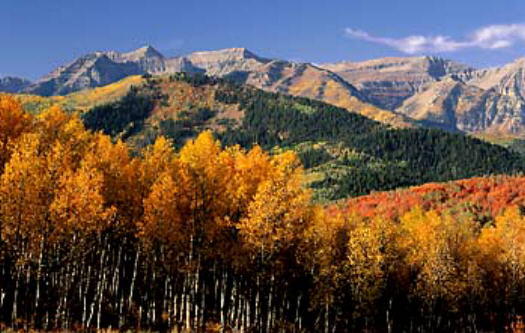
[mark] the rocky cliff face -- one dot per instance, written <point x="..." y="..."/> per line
<point x="389" y="81"/>
<point x="488" y="101"/>
<point x="147" y="59"/>
<point x="508" y="80"/>
<point x="455" y="106"/>
<point x="13" y="84"/>
<point x="89" y="71"/>
<point x="227" y="61"/>
<point x="101" y="68"/>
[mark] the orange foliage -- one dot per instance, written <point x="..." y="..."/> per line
<point x="490" y="195"/>
<point x="13" y="122"/>
<point x="210" y="223"/>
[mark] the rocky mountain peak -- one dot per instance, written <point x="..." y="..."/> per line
<point x="389" y="81"/>
<point x="227" y="61"/>
<point x="507" y="80"/>
<point x="439" y="67"/>
<point x="141" y="53"/>
<point x="13" y="84"/>
<point x="230" y="54"/>
<point x="519" y="62"/>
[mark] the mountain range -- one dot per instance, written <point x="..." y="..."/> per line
<point x="13" y="84"/>
<point x="402" y="92"/>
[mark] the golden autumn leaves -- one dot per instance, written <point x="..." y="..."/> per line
<point x="74" y="197"/>
<point x="442" y="264"/>
<point x="61" y="180"/>
<point x="14" y="122"/>
<point x="228" y="236"/>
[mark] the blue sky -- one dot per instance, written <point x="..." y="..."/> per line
<point x="38" y="35"/>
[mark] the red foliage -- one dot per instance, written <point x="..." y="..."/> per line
<point x="488" y="194"/>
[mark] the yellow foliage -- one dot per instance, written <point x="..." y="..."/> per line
<point x="441" y="251"/>
<point x="279" y="210"/>
<point x="13" y="122"/>
<point x="64" y="189"/>
<point x="371" y="256"/>
<point x="502" y="247"/>
<point x="79" y="206"/>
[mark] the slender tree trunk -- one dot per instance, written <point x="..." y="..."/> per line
<point x="14" y="311"/>
<point x="38" y="282"/>
<point x="133" y="279"/>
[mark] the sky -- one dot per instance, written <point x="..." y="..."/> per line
<point x="38" y="35"/>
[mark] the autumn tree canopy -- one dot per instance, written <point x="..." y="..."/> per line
<point x="95" y="235"/>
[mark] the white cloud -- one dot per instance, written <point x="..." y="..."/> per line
<point x="490" y="37"/>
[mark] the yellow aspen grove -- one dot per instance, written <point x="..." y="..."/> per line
<point x="436" y="250"/>
<point x="13" y="122"/>
<point x="22" y="195"/>
<point x="164" y="234"/>
<point x="323" y="250"/>
<point x="25" y="192"/>
<point x="247" y="171"/>
<point x="166" y="210"/>
<point x="54" y="125"/>
<point x="243" y="173"/>
<point x="96" y="234"/>
<point x="156" y="166"/>
<point x="370" y="260"/>
<point x="272" y="230"/>
<point x="78" y="214"/>
<point x="156" y="160"/>
<point x="502" y="247"/>
<point x="121" y="178"/>
<point x="209" y="176"/>
<point x="79" y="207"/>
<point x="279" y="211"/>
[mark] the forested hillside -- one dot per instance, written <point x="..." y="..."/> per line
<point x="345" y="153"/>
<point x="96" y="234"/>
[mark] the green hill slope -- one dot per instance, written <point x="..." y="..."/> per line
<point x="345" y="154"/>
